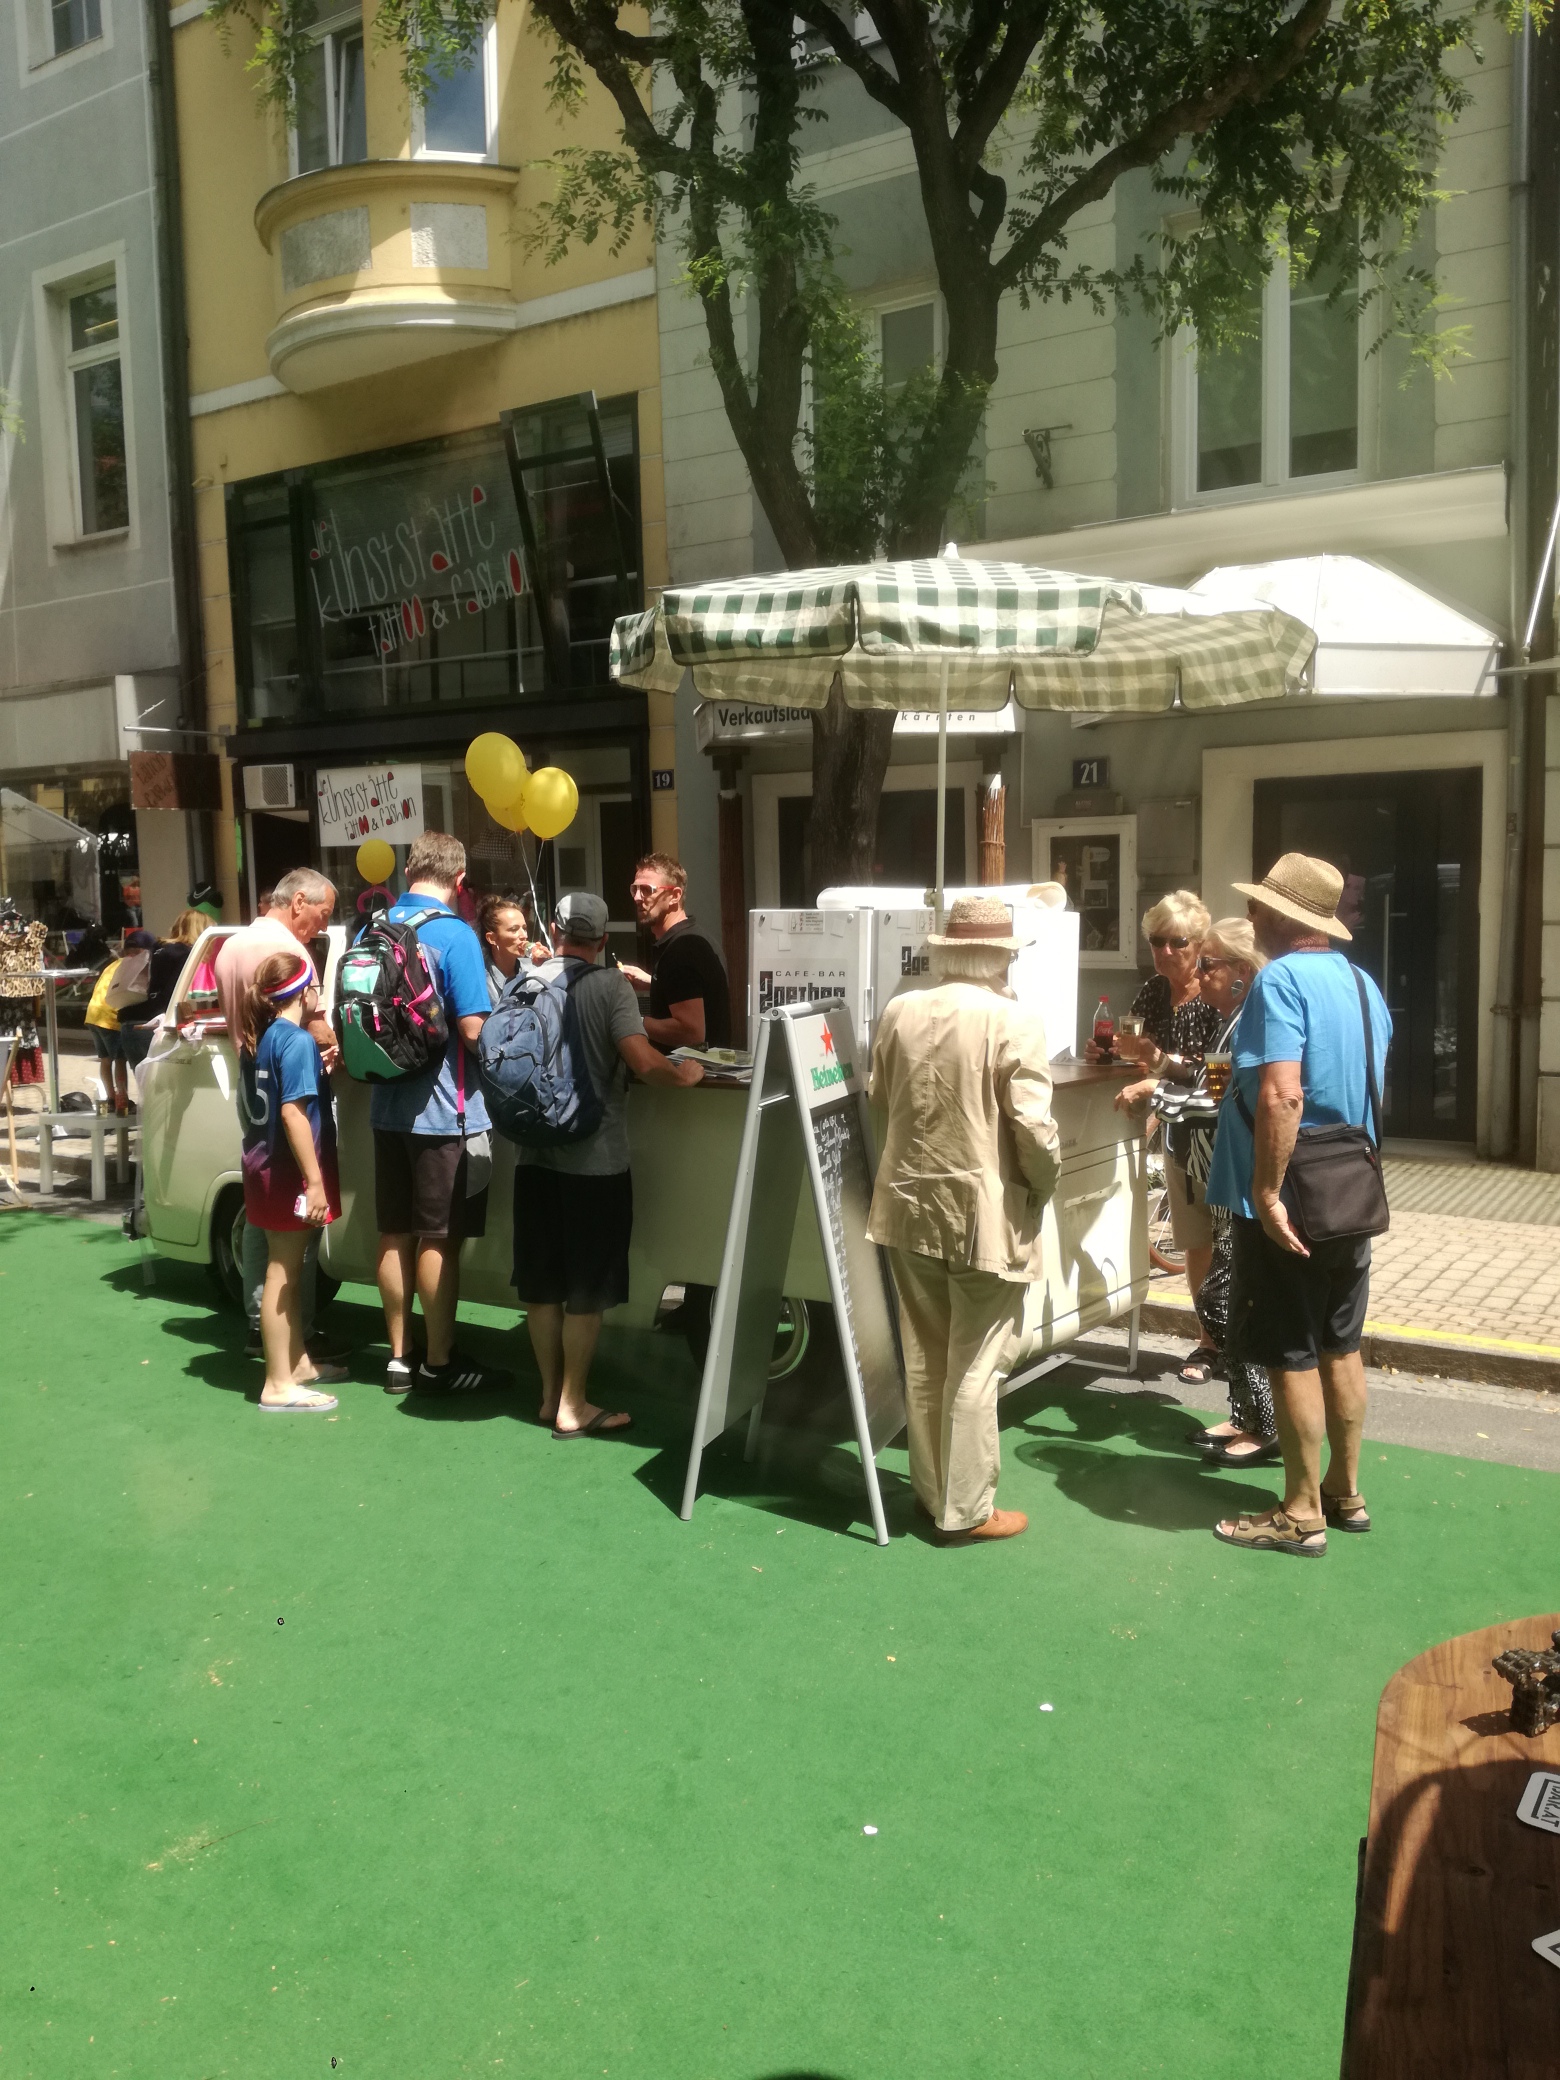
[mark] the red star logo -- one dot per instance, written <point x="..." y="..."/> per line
<point x="828" y="1041"/>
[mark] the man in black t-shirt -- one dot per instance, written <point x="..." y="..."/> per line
<point x="689" y="1003"/>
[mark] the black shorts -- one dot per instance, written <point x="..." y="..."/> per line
<point x="1286" y="1311"/>
<point x="571" y="1239"/>
<point x="420" y="1187"/>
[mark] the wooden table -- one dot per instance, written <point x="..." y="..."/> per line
<point x="1453" y="1886"/>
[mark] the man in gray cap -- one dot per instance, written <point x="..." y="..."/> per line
<point x="574" y="1205"/>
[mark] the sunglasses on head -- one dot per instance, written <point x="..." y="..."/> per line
<point x="1158" y="941"/>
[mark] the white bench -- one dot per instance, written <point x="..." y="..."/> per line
<point x="93" y="1126"/>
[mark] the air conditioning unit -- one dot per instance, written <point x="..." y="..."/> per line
<point x="270" y="787"/>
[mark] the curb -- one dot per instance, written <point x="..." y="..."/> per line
<point x="1467" y="1358"/>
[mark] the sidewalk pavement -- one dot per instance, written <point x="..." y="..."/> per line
<point x="1468" y="1298"/>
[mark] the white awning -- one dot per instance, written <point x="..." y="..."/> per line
<point x="1377" y="634"/>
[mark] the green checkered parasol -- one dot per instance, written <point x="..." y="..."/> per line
<point x="970" y="635"/>
<point x="911" y="635"/>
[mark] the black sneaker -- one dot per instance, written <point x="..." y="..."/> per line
<point x="399" y="1373"/>
<point x="461" y="1375"/>
<point x="253" y="1347"/>
<point x="325" y="1350"/>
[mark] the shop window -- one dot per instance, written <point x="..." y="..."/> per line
<point x="464" y="572"/>
<point x="96" y="403"/>
<point x="331" y="127"/>
<point x="1280" y="405"/>
<point x="904" y="854"/>
<point x="73" y="23"/>
<point x="459" y="119"/>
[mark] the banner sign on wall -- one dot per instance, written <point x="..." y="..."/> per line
<point x="358" y="802"/>
<point x="722" y="724"/>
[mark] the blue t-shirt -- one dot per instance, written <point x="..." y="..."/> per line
<point x="285" y="1069"/>
<point x="425" y="1104"/>
<point x="1303" y="1008"/>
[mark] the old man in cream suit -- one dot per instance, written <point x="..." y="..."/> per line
<point x="969" y="1161"/>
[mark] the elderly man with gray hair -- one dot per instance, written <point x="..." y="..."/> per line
<point x="299" y="908"/>
<point x="969" y="1162"/>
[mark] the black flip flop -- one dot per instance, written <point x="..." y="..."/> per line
<point x="598" y="1426"/>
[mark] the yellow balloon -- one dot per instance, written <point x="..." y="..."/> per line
<point x="509" y="816"/>
<point x="550" y="800"/>
<point x="375" y="860"/>
<point x="494" y="766"/>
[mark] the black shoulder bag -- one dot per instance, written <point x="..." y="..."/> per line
<point x="1333" y="1188"/>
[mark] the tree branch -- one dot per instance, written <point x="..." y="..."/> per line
<point x="841" y="39"/>
<point x="986" y="99"/>
<point x="1188" y="117"/>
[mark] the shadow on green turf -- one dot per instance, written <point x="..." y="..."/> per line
<point x="1157" y="1483"/>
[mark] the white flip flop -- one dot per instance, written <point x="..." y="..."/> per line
<point x="318" y="1405"/>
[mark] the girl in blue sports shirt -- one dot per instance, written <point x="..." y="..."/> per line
<point x="291" y="1184"/>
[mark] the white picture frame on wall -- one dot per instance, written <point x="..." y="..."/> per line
<point x="1095" y="859"/>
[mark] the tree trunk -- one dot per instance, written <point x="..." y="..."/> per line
<point x="850" y="757"/>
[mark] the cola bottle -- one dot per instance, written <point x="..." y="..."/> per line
<point x="1104" y="1031"/>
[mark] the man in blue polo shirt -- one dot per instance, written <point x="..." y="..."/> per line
<point x="1303" y="1054"/>
<point x="431" y="1151"/>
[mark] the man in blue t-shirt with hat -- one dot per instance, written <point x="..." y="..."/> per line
<point x="1300" y="1060"/>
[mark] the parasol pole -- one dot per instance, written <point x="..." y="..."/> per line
<point x="942" y="785"/>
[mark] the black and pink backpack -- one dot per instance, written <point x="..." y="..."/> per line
<point x="389" y="1011"/>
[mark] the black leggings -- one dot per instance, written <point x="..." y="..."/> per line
<point x="1251" y="1398"/>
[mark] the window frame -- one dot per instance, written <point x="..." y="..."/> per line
<point x="421" y="149"/>
<point x="53" y="289"/>
<point x="1275" y="480"/>
<point x="886" y="307"/>
<point x="35" y="40"/>
<point x="75" y="359"/>
<point x="327" y="32"/>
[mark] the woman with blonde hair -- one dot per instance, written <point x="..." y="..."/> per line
<point x="1178" y="1026"/>
<point x="1226" y="968"/>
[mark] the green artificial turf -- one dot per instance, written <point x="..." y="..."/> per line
<point x="410" y="1744"/>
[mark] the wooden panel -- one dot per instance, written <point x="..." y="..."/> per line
<point x="1455" y="1888"/>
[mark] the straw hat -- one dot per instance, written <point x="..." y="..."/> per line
<point x="1306" y="890"/>
<point x="978" y="921"/>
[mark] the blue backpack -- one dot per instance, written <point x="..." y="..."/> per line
<point x="535" y="1076"/>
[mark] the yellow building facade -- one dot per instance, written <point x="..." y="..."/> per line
<point x="428" y="465"/>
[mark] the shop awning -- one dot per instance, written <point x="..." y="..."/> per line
<point x="1376" y="634"/>
<point x="29" y="824"/>
<point x="970" y="635"/>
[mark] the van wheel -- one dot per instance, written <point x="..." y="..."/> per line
<point x="793" y="1331"/>
<point x="227" y="1243"/>
<point x="227" y="1246"/>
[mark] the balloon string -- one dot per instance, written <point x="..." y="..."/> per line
<point x="536" y="901"/>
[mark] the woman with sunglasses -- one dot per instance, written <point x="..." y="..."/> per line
<point x="1179" y="1026"/>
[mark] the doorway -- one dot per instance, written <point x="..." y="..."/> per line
<point x="1407" y="845"/>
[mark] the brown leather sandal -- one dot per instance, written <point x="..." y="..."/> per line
<point x="1278" y="1532"/>
<point x="1345" y="1512"/>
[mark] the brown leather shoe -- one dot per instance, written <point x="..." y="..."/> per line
<point x="1002" y="1523"/>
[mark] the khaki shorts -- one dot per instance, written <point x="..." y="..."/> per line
<point x="1190" y="1221"/>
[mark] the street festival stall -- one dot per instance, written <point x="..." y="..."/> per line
<point x="914" y="636"/>
<point x="762" y="1192"/>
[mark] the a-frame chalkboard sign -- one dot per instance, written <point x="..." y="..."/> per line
<point x="806" y="1117"/>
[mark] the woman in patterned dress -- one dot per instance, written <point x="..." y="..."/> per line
<point x="1178" y="1027"/>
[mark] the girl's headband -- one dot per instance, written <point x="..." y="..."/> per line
<point x="294" y="986"/>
